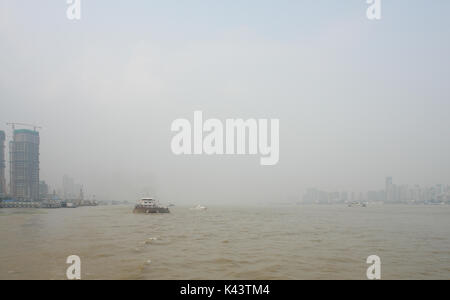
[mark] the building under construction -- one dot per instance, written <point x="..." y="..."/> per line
<point x="2" y="165"/>
<point x="24" y="165"/>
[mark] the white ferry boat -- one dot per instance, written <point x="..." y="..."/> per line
<point x="150" y="206"/>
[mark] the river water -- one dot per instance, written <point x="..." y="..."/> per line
<point x="269" y="242"/>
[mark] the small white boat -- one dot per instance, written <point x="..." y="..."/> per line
<point x="199" y="208"/>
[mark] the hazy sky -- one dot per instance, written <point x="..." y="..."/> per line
<point x="357" y="100"/>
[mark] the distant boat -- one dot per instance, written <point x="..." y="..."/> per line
<point x="71" y="205"/>
<point x="199" y="207"/>
<point x="150" y="206"/>
<point x="357" y="204"/>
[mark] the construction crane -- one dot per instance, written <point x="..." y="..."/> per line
<point x="13" y="125"/>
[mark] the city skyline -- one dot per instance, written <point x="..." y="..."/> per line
<point x="391" y="194"/>
<point x="68" y="189"/>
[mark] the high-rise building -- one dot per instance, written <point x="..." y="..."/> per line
<point x="68" y="188"/>
<point x="2" y="165"/>
<point x="43" y="190"/>
<point x="389" y="193"/>
<point x="24" y="165"/>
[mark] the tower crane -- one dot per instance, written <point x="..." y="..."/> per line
<point x="13" y="125"/>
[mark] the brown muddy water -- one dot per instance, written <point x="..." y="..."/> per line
<point x="270" y="242"/>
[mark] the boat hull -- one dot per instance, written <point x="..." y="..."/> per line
<point x="151" y="210"/>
